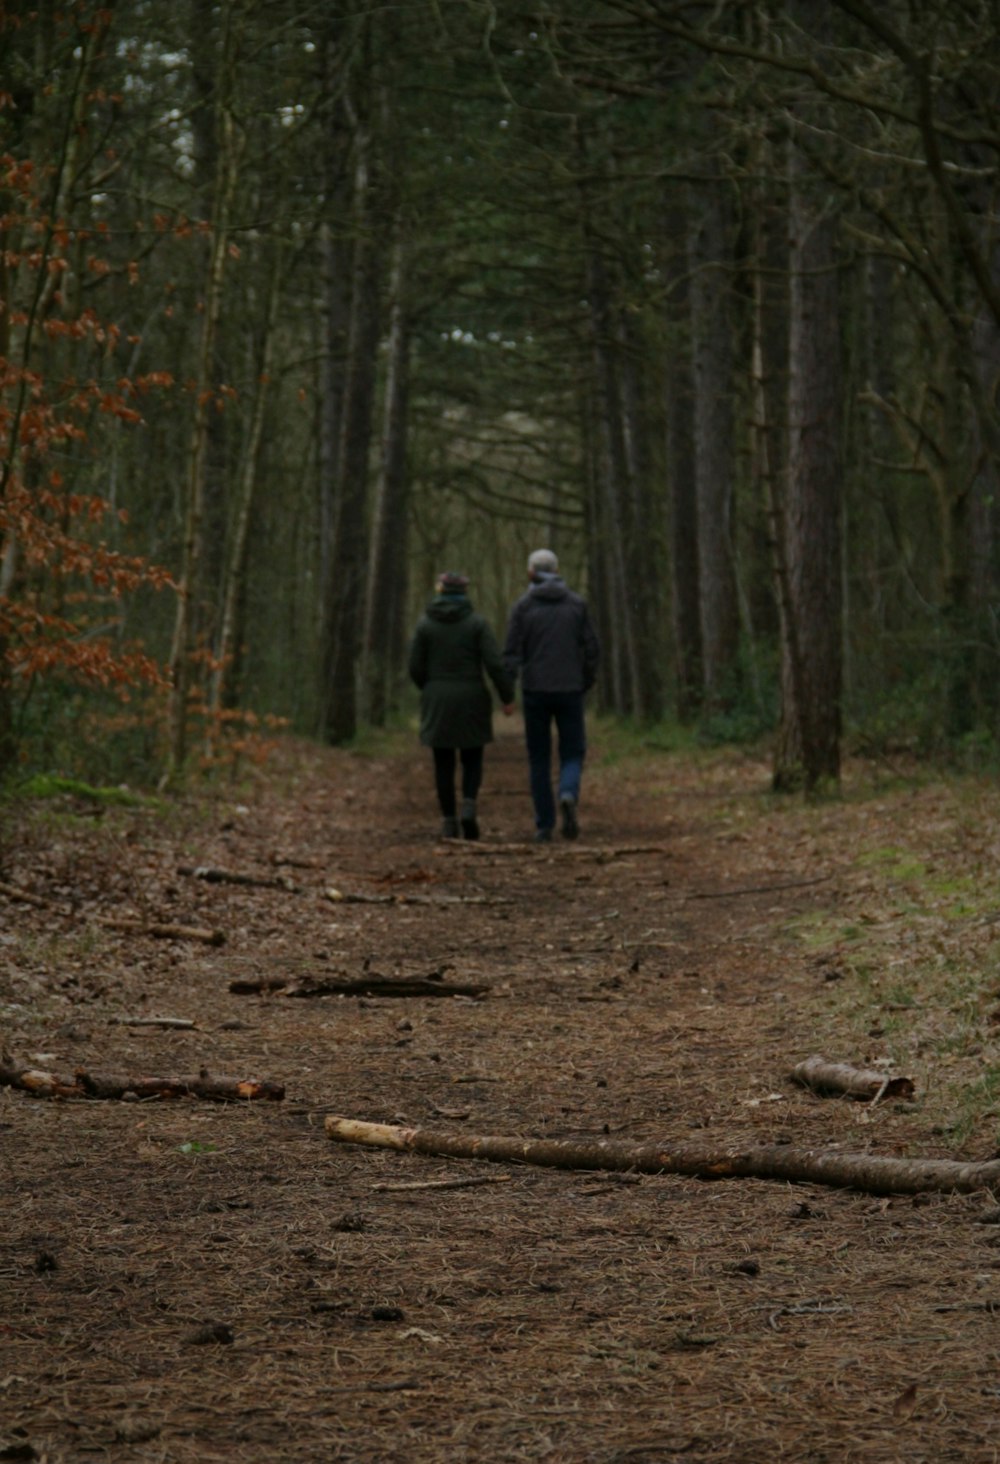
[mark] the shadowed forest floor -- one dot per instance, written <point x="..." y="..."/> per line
<point x="194" y="1281"/>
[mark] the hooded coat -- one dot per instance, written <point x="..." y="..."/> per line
<point x="551" y="639"/>
<point x="451" y="648"/>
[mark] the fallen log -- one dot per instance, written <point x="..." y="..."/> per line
<point x="84" y="1084"/>
<point x="840" y="1077"/>
<point x="356" y="897"/>
<point x="211" y="875"/>
<point x="162" y="931"/>
<point x="170" y="1023"/>
<point x="371" y="985"/>
<point x="870" y="1173"/>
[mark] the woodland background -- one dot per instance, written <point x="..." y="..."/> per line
<point x="303" y="302"/>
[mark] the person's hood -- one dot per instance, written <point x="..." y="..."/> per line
<point x="449" y="607"/>
<point x="549" y="587"/>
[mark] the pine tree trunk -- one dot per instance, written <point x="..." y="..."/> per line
<point x="190" y="579"/>
<point x="808" y="747"/>
<point x="680" y="452"/>
<point x="224" y="678"/>
<point x="386" y="590"/>
<point x="613" y="488"/>
<point x="714" y="447"/>
<point x="646" y="555"/>
<point x="344" y="592"/>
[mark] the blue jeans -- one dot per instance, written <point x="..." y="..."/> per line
<point x="540" y="709"/>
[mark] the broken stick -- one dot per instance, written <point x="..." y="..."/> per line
<point x="839" y="1077"/>
<point x="870" y="1173"/>
<point x="373" y="985"/>
<point x="212" y="875"/>
<point x="85" y="1084"/>
<point x="354" y="897"/>
<point x="170" y="1023"/>
<point x="119" y="922"/>
<point x="162" y="931"/>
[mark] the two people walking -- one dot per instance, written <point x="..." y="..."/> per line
<point x="552" y="646"/>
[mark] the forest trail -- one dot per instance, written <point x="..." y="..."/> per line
<point x="197" y="1281"/>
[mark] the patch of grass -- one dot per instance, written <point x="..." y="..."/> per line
<point x="820" y="931"/>
<point x="397" y="737"/>
<point x="895" y="861"/>
<point x="50" y="785"/>
<point x="618" y="740"/>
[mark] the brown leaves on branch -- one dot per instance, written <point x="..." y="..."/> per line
<point x="49" y="404"/>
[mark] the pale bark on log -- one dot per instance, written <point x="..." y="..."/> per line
<point x="839" y="1077"/>
<point x="84" y="1084"/>
<point x="373" y="985"/>
<point x="870" y="1173"/>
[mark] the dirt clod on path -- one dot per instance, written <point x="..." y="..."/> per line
<point x="192" y="1281"/>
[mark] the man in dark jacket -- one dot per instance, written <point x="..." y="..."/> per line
<point x="451" y="650"/>
<point x="551" y="643"/>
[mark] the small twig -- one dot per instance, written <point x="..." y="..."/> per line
<point x="441" y="1184"/>
<point x="355" y="897"/>
<point x="793" y="884"/>
<point x="25" y="897"/>
<point x="211" y="875"/>
<point x="181" y="1023"/>
<point x="806" y="1309"/>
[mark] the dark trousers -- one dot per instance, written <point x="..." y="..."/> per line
<point x="565" y="709"/>
<point x="444" y="775"/>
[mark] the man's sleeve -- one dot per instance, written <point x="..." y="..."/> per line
<point x="496" y="668"/>
<point x="513" y="646"/>
<point x="591" y="651"/>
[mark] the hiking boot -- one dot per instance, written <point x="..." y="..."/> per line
<point x="567" y="809"/>
<point x="470" y="827"/>
<point x="543" y="836"/>
<point x="449" y="828"/>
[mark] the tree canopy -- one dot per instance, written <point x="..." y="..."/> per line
<point x="301" y="304"/>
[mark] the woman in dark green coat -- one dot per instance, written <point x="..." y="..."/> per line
<point x="452" y="647"/>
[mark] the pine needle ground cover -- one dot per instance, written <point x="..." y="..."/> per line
<point x="194" y="1280"/>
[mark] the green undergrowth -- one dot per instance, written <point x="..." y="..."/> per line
<point x="907" y="956"/>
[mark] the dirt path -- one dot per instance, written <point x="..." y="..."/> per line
<point x="190" y="1281"/>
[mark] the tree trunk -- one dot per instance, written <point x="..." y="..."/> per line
<point x="709" y="259"/>
<point x="223" y="693"/>
<point x="344" y="591"/>
<point x="647" y="552"/>
<point x="613" y="489"/>
<point x="808" y="746"/>
<point x="386" y="597"/>
<point x="680" y="453"/>
<point x="190" y="579"/>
